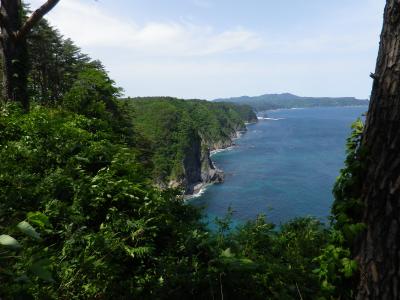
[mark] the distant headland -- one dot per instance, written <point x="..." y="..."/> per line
<point x="287" y="100"/>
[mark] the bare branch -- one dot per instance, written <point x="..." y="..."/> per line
<point x="36" y="16"/>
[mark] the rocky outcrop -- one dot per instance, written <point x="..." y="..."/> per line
<point x="198" y="168"/>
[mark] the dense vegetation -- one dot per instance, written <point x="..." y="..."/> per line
<point x="286" y="100"/>
<point x="172" y="128"/>
<point x="81" y="218"/>
<point x="98" y="229"/>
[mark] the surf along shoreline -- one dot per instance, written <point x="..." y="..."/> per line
<point x="202" y="186"/>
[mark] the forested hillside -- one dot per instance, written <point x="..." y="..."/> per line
<point x="91" y="204"/>
<point x="286" y="100"/>
<point x="181" y="134"/>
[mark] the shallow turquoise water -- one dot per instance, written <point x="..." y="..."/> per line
<point x="283" y="168"/>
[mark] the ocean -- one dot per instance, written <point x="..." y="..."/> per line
<point x="283" y="167"/>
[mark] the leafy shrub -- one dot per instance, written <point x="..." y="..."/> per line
<point x="337" y="269"/>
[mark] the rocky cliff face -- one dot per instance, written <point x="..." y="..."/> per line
<point x="199" y="170"/>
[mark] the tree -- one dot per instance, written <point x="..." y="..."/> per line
<point x="13" y="47"/>
<point x="378" y="248"/>
<point x="54" y="64"/>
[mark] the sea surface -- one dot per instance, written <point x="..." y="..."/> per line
<point x="283" y="166"/>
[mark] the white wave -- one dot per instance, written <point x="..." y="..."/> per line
<point x="197" y="193"/>
<point x="238" y="135"/>
<point x="200" y="192"/>
<point x="213" y="152"/>
<point x="271" y="119"/>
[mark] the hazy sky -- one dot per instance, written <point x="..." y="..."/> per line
<point x="209" y="48"/>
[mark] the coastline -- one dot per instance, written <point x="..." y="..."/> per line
<point x="287" y="108"/>
<point x="219" y="150"/>
<point x="270" y="164"/>
<point x="201" y="187"/>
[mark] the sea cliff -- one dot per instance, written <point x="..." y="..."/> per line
<point x="200" y="170"/>
<point x="181" y="135"/>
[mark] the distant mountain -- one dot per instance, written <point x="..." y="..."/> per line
<point x="287" y="100"/>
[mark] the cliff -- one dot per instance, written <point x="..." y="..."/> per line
<point x="181" y="134"/>
<point x="199" y="170"/>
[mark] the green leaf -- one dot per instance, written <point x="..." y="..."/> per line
<point x="82" y="159"/>
<point x="41" y="270"/>
<point x="9" y="241"/>
<point x="22" y="279"/>
<point x="138" y="251"/>
<point x="39" y="219"/>
<point x="27" y="228"/>
<point x="349" y="266"/>
<point x="227" y="253"/>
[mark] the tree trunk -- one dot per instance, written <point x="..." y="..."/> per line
<point x="14" y="54"/>
<point x="14" y="49"/>
<point x="379" y="250"/>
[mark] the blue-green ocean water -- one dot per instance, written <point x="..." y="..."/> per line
<point x="283" y="168"/>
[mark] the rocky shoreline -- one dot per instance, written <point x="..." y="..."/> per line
<point x="210" y="174"/>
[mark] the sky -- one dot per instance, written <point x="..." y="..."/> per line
<point x="209" y="49"/>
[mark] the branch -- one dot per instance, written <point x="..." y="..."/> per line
<point x="36" y="16"/>
<point x="374" y="76"/>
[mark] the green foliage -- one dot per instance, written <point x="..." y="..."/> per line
<point x="256" y="261"/>
<point x="29" y="260"/>
<point x="9" y="241"/>
<point x="88" y="194"/>
<point x="174" y="127"/>
<point x="337" y="269"/>
<point x="93" y="94"/>
<point x="96" y="228"/>
<point x="27" y="228"/>
<point x="347" y="208"/>
<point x="55" y="63"/>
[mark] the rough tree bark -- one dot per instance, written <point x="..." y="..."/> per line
<point x="379" y="250"/>
<point x="13" y="47"/>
